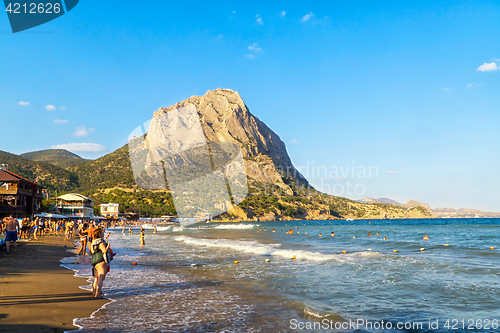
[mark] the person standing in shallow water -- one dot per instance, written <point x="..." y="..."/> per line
<point x="100" y="261"/>
<point x="142" y="237"/>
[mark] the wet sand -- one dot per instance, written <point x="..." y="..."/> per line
<point x="36" y="293"/>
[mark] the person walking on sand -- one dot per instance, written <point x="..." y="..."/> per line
<point x="24" y="228"/>
<point x="130" y="230"/>
<point x="142" y="237"/>
<point x="34" y="225"/>
<point x="154" y="230"/>
<point x="90" y="231"/>
<point x="67" y="227"/>
<point x="82" y="232"/>
<point x="100" y="261"/>
<point x="12" y="226"/>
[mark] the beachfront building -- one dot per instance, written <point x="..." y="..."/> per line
<point x="19" y="197"/>
<point x="75" y="206"/>
<point x="110" y="210"/>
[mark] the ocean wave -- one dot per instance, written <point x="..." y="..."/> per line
<point x="235" y="226"/>
<point x="257" y="248"/>
<point x="151" y="227"/>
<point x="317" y="314"/>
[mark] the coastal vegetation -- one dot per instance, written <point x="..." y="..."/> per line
<point x="110" y="179"/>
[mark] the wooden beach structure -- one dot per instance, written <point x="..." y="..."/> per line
<point x="19" y="197"/>
<point x="75" y="206"/>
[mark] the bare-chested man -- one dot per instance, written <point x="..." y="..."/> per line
<point x="12" y="226"/>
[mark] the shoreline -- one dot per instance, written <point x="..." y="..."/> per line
<point x="38" y="293"/>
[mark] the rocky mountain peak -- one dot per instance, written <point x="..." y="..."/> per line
<point x="225" y="117"/>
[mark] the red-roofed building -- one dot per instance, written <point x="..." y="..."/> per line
<point x="19" y="197"/>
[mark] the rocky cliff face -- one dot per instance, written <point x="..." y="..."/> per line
<point x="225" y="118"/>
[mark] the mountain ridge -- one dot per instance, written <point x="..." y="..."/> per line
<point x="276" y="191"/>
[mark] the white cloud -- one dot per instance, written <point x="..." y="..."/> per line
<point x="447" y="89"/>
<point x="259" y="20"/>
<point x="250" y="56"/>
<point x="393" y="172"/>
<point x="50" y="107"/>
<point x="294" y="141"/>
<point x="283" y="13"/>
<point x="307" y="17"/>
<point x="233" y="12"/>
<point x="470" y="85"/>
<point x="60" y="121"/>
<point x="23" y="103"/>
<point x="81" y="147"/>
<point x="62" y="107"/>
<point x="487" y="67"/>
<point x="255" y="47"/>
<point x="82" y="131"/>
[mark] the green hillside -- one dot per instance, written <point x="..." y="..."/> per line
<point x="109" y="171"/>
<point x="110" y="179"/>
<point x="50" y="176"/>
<point x="59" y="157"/>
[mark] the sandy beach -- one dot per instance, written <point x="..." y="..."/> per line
<point x="36" y="293"/>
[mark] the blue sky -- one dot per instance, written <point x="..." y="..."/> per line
<point x="411" y="90"/>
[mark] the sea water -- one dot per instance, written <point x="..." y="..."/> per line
<point x="186" y="279"/>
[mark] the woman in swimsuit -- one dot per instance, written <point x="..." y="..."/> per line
<point x="100" y="261"/>
<point x="142" y="237"/>
<point x="83" y="239"/>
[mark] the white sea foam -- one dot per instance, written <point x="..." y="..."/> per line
<point x="257" y="248"/>
<point x="368" y="254"/>
<point x="235" y="226"/>
<point x="151" y="227"/>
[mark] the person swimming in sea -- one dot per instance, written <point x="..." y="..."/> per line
<point x="385" y="238"/>
<point x="333" y="234"/>
<point x="369" y="234"/>
<point x="426" y="238"/>
<point x="320" y="235"/>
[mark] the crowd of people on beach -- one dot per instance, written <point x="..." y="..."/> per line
<point x="32" y="228"/>
<point x="90" y="233"/>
